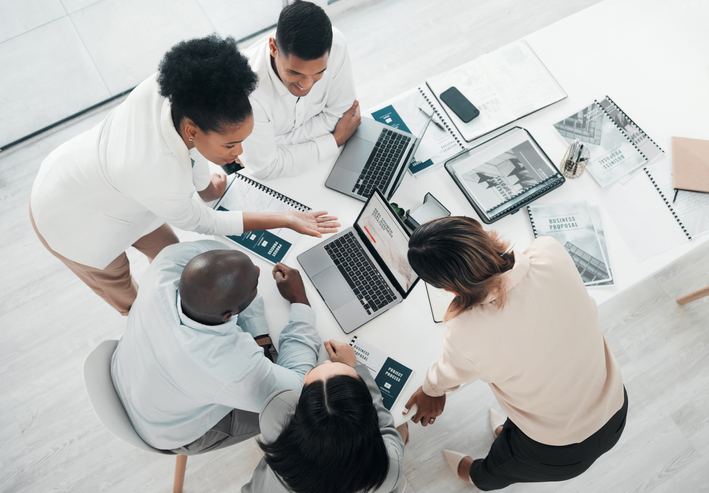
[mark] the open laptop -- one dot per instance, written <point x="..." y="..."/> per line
<point x="363" y="271"/>
<point x="376" y="156"/>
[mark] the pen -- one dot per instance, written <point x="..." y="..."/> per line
<point x="435" y="122"/>
<point x="676" y="192"/>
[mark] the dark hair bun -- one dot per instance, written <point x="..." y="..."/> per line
<point x="207" y="80"/>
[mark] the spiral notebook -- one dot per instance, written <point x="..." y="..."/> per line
<point x="505" y="85"/>
<point x="504" y="174"/>
<point x="246" y="194"/>
<point x="617" y="144"/>
<point x="649" y="216"/>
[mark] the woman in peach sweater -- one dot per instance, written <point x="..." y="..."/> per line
<point x="523" y="323"/>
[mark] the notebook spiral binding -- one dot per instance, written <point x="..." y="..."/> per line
<point x="633" y="121"/>
<point x="283" y="198"/>
<point x="667" y="203"/>
<point x="551" y="181"/>
<point x="531" y="220"/>
<point x="622" y="131"/>
<point x="442" y="120"/>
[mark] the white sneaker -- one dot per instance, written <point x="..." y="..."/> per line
<point x="496" y="420"/>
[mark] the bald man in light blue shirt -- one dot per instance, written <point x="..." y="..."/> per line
<point x="188" y="371"/>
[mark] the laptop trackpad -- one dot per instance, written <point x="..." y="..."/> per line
<point x="356" y="154"/>
<point x="333" y="288"/>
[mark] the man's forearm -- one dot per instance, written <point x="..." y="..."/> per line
<point x="299" y="342"/>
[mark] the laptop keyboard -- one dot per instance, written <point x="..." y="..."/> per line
<point x="355" y="266"/>
<point x="381" y="163"/>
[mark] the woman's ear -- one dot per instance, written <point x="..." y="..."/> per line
<point x="452" y="292"/>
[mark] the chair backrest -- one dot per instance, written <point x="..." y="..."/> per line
<point x="104" y="399"/>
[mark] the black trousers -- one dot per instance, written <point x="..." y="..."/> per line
<point x="516" y="458"/>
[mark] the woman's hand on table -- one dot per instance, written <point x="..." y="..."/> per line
<point x="340" y="352"/>
<point x="312" y="223"/>
<point x="429" y="408"/>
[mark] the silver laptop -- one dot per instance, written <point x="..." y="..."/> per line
<point x="363" y="271"/>
<point x="376" y="156"/>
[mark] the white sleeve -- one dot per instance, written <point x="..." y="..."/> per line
<point x="307" y="145"/>
<point x="201" y="177"/>
<point x="339" y="99"/>
<point x="186" y="212"/>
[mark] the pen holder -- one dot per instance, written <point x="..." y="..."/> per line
<point x="575" y="158"/>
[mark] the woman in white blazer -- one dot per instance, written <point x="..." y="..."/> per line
<point x="126" y="180"/>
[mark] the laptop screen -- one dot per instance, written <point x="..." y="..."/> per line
<point x="384" y="232"/>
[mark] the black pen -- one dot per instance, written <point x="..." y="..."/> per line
<point x="676" y="192"/>
<point x="433" y="119"/>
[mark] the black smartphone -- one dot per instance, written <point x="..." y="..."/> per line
<point x="460" y="105"/>
<point x="232" y="167"/>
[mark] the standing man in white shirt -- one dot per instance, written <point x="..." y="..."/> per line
<point x="304" y="107"/>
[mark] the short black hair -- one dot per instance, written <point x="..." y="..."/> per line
<point x="332" y="443"/>
<point x="303" y="30"/>
<point x="208" y="81"/>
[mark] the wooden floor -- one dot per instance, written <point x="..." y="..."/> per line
<point x="49" y="321"/>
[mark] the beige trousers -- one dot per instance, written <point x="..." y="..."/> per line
<point x="115" y="284"/>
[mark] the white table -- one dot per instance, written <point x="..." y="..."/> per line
<point x="650" y="56"/>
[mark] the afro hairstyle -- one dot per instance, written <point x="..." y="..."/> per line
<point x="208" y="81"/>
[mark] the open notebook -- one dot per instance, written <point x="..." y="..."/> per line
<point x="505" y="85"/>
<point x="246" y="194"/>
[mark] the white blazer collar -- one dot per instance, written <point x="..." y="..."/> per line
<point x="169" y="133"/>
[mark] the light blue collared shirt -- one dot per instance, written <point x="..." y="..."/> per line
<point x="177" y="377"/>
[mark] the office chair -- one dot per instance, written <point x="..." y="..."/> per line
<point x="109" y="410"/>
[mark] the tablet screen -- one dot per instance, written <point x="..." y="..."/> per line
<point x="504" y="173"/>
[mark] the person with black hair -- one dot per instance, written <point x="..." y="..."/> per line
<point x="335" y="436"/>
<point x="126" y="180"/>
<point x="189" y="369"/>
<point x="304" y="107"/>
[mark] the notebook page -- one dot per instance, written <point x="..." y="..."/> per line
<point x="692" y="208"/>
<point x="644" y="221"/>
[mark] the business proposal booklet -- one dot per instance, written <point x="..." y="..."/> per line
<point x="572" y="225"/>
<point x="389" y="375"/>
